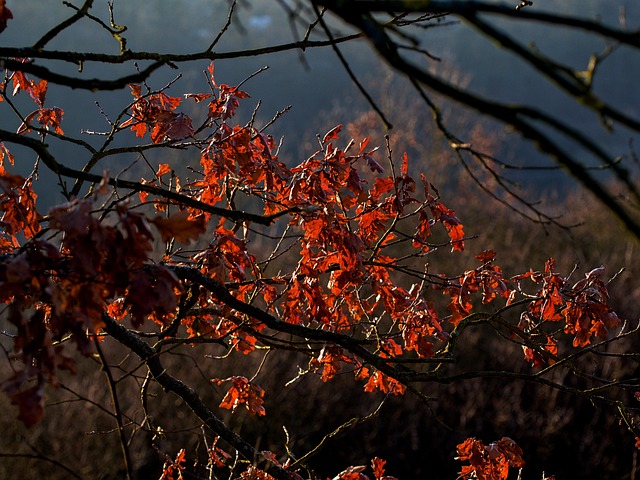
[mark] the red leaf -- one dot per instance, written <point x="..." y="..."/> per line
<point x="18" y="202"/>
<point x="180" y="226"/>
<point x="197" y="97"/>
<point x="423" y="232"/>
<point x="405" y="165"/>
<point x="352" y="473"/>
<point x="377" y="465"/>
<point x="211" y="69"/>
<point x="489" y="462"/>
<point x="486" y="256"/>
<point x="163" y="169"/>
<point x="51" y="117"/>
<point x="384" y="383"/>
<point x="179" y="127"/>
<point x="173" y="468"/>
<point x="5" y="14"/>
<point x="243" y="392"/>
<point x="332" y="134"/>
<point x="139" y="128"/>
<point x="5" y="152"/>
<point x="38" y="91"/>
<point x="30" y="402"/>
<point x="380" y="187"/>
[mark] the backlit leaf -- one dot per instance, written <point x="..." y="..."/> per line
<point x="5" y="15"/>
<point x="180" y="226"/>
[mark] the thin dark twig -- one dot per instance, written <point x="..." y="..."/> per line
<point x="40" y="456"/>
<point x="117" y="412"/>
<point x="351" y="73"/>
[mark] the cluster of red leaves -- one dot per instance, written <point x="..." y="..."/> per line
<point x="239" y="158"/>
<point x="20" y="215"/>
<point x="339" y="219"/>
<point x="58" y="289"/>
<point x="254" y="473"/>
<point x="173" y="469"/>
<point x="488" y="278"/>
<point x="348" y="217"/>
<point x="345" y="226"/>
<point x="489" y="462"/>
<point x="154" y="112"/>
<point x="355" y="473"/>
<point x="334" y="237"/>
<point x="242" y="393"/>
<point x="583" y="308"/>
<point x="5" y="154"/>
<point x="49" y="118"/>
<point x="223" y="105"/>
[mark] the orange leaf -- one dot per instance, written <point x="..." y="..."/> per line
<point x="489" y="462"/>
<point x="18" y="202"/>
<point x="352" y="473"/>
<point x="242" y="392"/>
<point x="486" y="256"/>
<point x="5" y="152"/>
<point x="180" y="226"/>
<point x="163" y="169"/>
<point x="384" y="383"/>
<point x="5" y="15"/>
<point x="377" y="465"/>
<point x="51" y="117"/>
<point x="197" y="97"/>
<point x="405" y="165"/>
<point x="38" y="91"/>
<point x="173" y="468"/>
<point x="332" y="134"/>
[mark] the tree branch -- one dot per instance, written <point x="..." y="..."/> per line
<point x="191" y="398"/>
<point x="56" y="167"/>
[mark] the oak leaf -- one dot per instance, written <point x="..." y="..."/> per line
<point x="377" y="465"/>
<point x="163" y="169"/>
<point x="18" y="202"/>
<point x="352" y="473"/>
<point x="242" y="393"/>
<point x="332" y="134"/>
<point x="181" y="226"/>
<point x="51" y="117"/>
<point x="172" y="469"/>
<point x="5" y="15"/>
<point x="489" y="462"/>
<point x="30" y="403"/>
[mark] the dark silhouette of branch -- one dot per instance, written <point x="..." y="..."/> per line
<point x="117" y="412"/>
<point x="191" y="398"/>
<point x="44" y="458"/>
<point x="93" y="84"/>
<point x="56" y="167"/>
<point x="524" y="119"/>
<point x="8" y="54"/>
